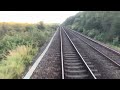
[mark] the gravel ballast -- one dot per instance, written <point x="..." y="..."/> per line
<point x="107" y="52"/>
<point x="50" y="65"/>
<point x="107" y="69"/>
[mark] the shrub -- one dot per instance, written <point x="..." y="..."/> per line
<point x="85" y="31"/>
<point x="92" y="33"/>
<point x="116" y="41"/>
<point x="100" y="37"/>
<point x="18" y="45"/>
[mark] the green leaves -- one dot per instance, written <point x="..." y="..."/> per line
<point x="19" y="44"/>
<point x="101" y="25"/>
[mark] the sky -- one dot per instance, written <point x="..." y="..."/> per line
<point x="36" y="16"/>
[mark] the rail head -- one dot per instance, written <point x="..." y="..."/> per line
<point x="61" y="50"/>
<point x="99" y="51"/>
<point x="98" y="43"/>
<point x="80" y="56"/>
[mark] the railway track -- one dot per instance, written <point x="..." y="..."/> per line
<point x="108" y="67"/>
<point x="80" y="58"/>
<point x="73" y="65"/>
<point x="114" y="55"/>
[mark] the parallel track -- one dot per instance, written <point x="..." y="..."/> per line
<point x="76" y="64"/>
<point x="112" y="55"/>
<point x="108" y="61"/>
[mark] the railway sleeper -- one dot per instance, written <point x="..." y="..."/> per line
<point x="73" y="63"/>
<point x="74" y="67"/>
<point x="75" y="71"/>
<point x="76" y="76"/>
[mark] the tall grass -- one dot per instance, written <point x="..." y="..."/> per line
<point x="15" y="62"/>
<point x="18" y="45"/>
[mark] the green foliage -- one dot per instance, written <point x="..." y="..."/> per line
<point x="19" y="43"/>
<point x="100" y="37"/>
<point x="16" y="61"/>
<point x="92" y="33"/>
<point x="41" y="25"/>
<point x="69" y="21"/>
<point x="116" y="41"/>
<point x="101" y="25"/>
<point x="85" y="31"/>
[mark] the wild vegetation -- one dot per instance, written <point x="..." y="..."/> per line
<point x="100" y="25"/>
<point x="19" y="43"/>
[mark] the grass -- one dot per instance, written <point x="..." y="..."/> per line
<point x="113" y="46"/>
<point x="16" y="61"/>
<point x="18" y="45"/>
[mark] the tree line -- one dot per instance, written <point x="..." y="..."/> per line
<point x="100" y="25"/>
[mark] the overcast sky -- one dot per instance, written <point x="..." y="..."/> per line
<point x="35" y="16"/>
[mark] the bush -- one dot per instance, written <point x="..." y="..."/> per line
<point x="18" y="45"/>
<point x="100" y="37"/>
<point x="35" y="38"/>
<point x="92" y="33"/>
<point x="116" y="41"/>
<point x="85" y="31"/>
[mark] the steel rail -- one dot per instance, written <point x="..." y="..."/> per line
<point x="61" y="50"/>
<point x="114" y="51"/>
<point x="80" y="55"/>
<point x="98" y="51"/>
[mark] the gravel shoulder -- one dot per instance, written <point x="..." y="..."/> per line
<point x="49" y="67"/>
<point x="39" y="52"/>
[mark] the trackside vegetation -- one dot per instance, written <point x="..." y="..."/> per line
<point x="100" y="25"/>
<point x="19" y="43"/>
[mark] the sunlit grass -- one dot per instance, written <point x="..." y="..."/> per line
<point x="14" y="64"/>
<point x="19" y="42"/>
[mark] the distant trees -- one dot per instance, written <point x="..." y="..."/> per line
<point x="41" y="25"/>
<point x="101" y="25"/>
<point x="69" y="21"/>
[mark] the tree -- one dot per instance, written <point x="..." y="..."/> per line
<point x="105" y="23"/>
<point x="41" y="25"/>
